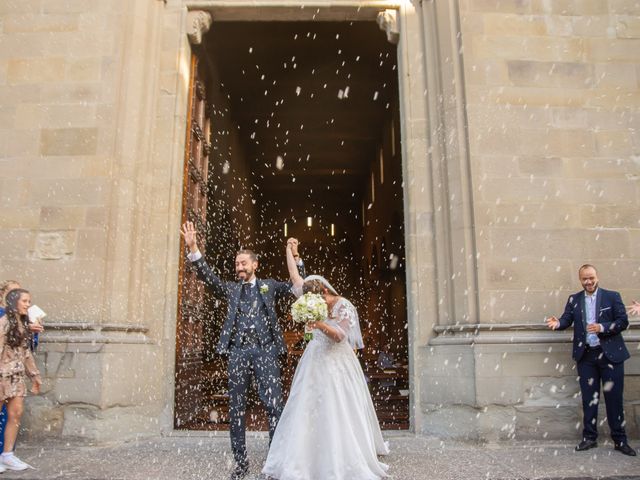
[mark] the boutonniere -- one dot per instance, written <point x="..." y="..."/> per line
<point x="264" y="288"/>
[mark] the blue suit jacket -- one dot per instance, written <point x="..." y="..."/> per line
<point x="610" y="313"/>
<point x="268" y="289"/>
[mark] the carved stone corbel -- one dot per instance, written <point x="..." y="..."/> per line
<point x="198" y="23"/>
<point x="388" y="21"/>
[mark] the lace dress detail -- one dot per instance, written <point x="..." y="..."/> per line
<point x="346" y="318"/>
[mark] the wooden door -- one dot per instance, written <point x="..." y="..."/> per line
<point x="190" y="407"/>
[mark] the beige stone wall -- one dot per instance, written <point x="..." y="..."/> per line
<point x="553" y="102"/>
<point x="523" y="182"/>
<point x="78" y="82"/>
<point x="552" y="106"/>
<point x="58" y="70"/>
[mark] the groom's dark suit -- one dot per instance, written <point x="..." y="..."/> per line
<point x="252" y="338"/>
<point x="601" y="364"/>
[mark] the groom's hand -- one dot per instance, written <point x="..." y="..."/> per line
<point x="188" y="232"/>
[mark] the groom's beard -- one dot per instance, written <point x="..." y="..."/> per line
<point x="244" y="275"/>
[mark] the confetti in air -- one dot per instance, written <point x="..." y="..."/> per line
<point x="342" y="94"/>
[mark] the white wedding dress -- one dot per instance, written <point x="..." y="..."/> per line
<point x="328" y="429"/>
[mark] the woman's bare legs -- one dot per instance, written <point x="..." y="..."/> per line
<point x="15" y="407"/>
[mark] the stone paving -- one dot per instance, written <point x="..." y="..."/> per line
<point x="199" y="456"/>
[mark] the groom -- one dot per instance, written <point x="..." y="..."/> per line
<point x="251" y="337"/>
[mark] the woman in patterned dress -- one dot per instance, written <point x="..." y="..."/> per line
<point x="16" y="362"/>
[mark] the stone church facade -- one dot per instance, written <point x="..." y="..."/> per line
<point x="520" y="157"/>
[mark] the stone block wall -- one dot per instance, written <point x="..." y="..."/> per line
<point x="58" y="65"/>
<point x="553" y="103"/>
<point x="85" y="200"/>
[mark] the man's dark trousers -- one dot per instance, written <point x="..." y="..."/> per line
<point x="244" y="362"/>
<point x="593" y="369"/>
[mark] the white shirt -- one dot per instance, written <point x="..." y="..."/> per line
<point x="590" y="305"/>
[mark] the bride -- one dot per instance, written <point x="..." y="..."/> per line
<point x="328" y="429"/>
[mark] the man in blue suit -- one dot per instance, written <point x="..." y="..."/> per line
<point x="598" y="317"/>
<point x="251" y="337"/>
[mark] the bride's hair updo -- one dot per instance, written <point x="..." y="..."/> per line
<point x="313" y="286"/>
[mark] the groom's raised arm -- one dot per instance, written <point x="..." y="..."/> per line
<point x="203" y="271"/>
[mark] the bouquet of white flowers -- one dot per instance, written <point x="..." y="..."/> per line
<point x="310" y="307"/>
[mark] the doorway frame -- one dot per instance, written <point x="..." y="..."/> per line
<point x="440" y="247"/>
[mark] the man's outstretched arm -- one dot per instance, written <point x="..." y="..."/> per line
<point x="203" y="271"/>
